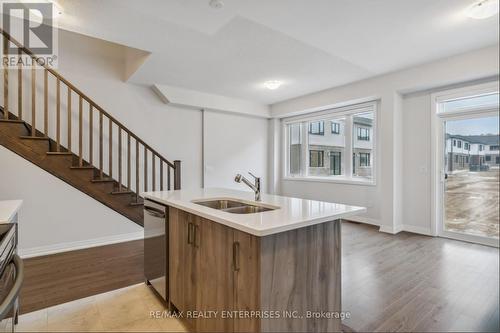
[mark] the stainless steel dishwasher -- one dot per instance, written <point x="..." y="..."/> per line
<point x="156" y="247"/>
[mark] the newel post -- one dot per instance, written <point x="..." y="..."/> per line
<point x="177" y="175"/>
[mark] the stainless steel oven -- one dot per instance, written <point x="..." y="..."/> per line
<point x="156" y="247"/>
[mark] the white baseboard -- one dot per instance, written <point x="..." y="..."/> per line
<point x="78" y="245"/>
<point x="389" y="229"/>
<point x="417" y="230"/>
<point x="364" y="219"/>
<point x="409" y="228"/>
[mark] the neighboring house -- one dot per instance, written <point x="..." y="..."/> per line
<point x="471" y="151"/>
<point x="327" y="147"/>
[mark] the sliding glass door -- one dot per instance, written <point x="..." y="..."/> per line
<point x="468" y="168"/>
<point x="471" y="186"/>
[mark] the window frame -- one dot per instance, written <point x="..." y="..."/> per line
<point x="322" y="160"/>
<point x="367" y="159"/>
<point x="345" y="112"/>
<point x="360" y="135"/>
<point x="321" y="127"/>
<point x="335" y="127"/>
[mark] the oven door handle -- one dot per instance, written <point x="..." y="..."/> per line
<point x="154" y="212"/>
<point x="11" y="297"/>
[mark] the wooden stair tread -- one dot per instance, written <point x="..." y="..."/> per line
<point x="15" y="121"/>
<point x="29" y="137"/>
<point x="60" y="153"/>
<point x="122" y="192"/>
<point x="136" y="203"/>
<point x="104" y="180"/>
<point x="83" y="167"/>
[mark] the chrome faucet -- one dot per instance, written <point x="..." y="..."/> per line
<point x="255" y="187"/>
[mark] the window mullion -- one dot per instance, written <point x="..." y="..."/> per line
<point x="305" y="149"/>
<point x="348" y="145"/>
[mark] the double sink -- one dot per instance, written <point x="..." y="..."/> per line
<point x="234" y="206"/>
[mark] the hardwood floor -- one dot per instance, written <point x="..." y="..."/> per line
<point x="67" y="276"/>
<point x="408" y="282"/>
<point x="403" y="282"/>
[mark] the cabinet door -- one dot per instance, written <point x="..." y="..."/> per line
<point x="184" y="263"/>
<point x="246" y="279"/>
<point x="177" y="256"/>
<point x="191" y="266"/>
<point x="215" y="289"/>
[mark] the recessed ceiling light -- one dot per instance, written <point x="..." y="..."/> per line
<point x="273" y="84"/>
<point x="216" y="4"/>
<point x="482" y="9"/>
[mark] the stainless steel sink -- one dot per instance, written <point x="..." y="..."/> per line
<point x="220" y="204"/>
<point x="247" y="209"/>
<point x="233" y="206"/>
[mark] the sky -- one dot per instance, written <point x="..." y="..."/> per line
<point x="478" y="126"/>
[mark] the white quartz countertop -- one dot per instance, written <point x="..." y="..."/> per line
<point x="8" y="209"/>
<point x="293" y="213"/>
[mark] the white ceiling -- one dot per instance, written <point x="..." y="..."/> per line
<point x="310" y="45"/>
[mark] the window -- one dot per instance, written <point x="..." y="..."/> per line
<point x="364" y="159"/>
<point x="488" y="158"/>
<point x="459" y="144"/>
<point x="317" y="128"/>
<point x="456" y="158"/>
<point x="335" y="163"/>
<point x="489" y="100"/>
<point x="466" y="159"/>
<point x="494" y="147"/>
<point x="454" y="143"/>
<point x="466" y="146"/>
<point x="295" y="148"/>
<point x="497" y="160"/>
<point x="335" y="128"/>
<point x="350" y="131"/>
<point x="316" y="158"/>
<point x="363" y="134"/>
<point x="481" y="147"/>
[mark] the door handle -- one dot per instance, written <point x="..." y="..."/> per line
<point x="196" y="236"/>
<point x="154" y="212"/>
<point x="236" y="256"/>
<point x="190" y="233"/>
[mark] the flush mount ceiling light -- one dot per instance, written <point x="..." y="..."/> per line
<point x="273" y="84"/>
<point x="216" y="4"/>
<point x="482" y="9"/>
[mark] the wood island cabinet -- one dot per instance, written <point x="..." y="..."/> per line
<point x="216" y="268"/>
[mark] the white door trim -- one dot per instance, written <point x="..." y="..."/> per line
<point x="437" y="153"/>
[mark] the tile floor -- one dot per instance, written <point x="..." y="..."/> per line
<point x="121" y="310"/>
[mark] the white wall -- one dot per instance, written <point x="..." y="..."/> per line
<point x="55" y="215"/>
<point x="417" y="162"/>
<point x="234" y="144"/>
<point x="97" y="68"/>
<point x="384" y="201"/>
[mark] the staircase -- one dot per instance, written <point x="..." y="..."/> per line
<point x="70" y="136"/>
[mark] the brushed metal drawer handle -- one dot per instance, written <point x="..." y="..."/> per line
<point x="196" y="236"/>
<point x="190" y="233"/>
<point x="236" y="256"/>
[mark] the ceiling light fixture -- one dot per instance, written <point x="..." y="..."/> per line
<point x="273" y="84"/>
<point x="216" y="4"/>
<point x="482" y="9"/>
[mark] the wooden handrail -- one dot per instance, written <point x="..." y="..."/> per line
<point x="85" y="97"/>
<point x="175" y="165"/>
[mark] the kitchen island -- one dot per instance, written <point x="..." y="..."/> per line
<point x="234" y="264"/>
